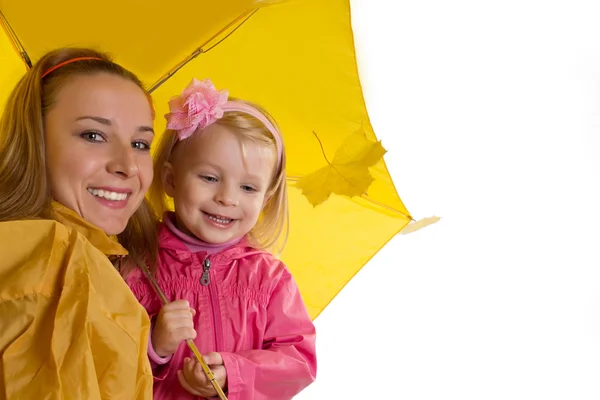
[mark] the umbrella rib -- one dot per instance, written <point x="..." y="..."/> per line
<point x="230" y="33"/>
<point x="165" y="78"/>
<point x="201" y="50"/>
<point x="370" y="200"/>
<point x="15" y="40"/>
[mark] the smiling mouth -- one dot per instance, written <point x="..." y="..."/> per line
<point x="108" y="195"/>
<point x="218" y="218"/>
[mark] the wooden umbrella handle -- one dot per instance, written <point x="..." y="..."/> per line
<point x="190" y="343"/>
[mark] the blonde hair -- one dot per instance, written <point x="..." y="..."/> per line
<point x="271" y="230"/>
<point x="24" y="186"/>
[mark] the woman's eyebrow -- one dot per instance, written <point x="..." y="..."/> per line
<point x="107" y="122"/>
<point x="100" y="120"/>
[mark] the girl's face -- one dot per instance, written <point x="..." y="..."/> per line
<point x="219" y="184"/>
<point x="98" y="135"/>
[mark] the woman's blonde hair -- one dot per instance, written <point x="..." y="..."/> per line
<point x="271" y="231"/>
<point x="24" y="186"/>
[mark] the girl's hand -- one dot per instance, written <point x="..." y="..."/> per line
<point x="174" y="324"/>
<point x="193" y="379"/>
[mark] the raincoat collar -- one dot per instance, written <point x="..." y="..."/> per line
<point x="97" y="237"/>
<point x="172" y="244"/>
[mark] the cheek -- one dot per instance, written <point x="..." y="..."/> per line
<point x="56" y="160"/>
<point x="188" y="188"/>
<point x="257" y="205"/>
<point x="73" y="166"/>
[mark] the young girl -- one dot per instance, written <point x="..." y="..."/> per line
<point x="222" y="162"/>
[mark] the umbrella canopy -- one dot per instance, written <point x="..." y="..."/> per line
<point x="296" y="58"/>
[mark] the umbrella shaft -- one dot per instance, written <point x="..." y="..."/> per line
<point x="190" y="343"/>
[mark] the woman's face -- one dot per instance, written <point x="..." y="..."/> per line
<point x="98" y="135"/>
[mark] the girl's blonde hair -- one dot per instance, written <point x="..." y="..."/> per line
<point x="24" y="186"/>
<point x="271" y="231"/>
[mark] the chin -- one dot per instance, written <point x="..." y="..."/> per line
<point x="210" y="239"/>
<point x="218" y="240"/>
<point x="114" y="232"/>
<point x="111" y="228"/>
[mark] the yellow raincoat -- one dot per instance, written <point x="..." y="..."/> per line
<point x="69" y="326"/>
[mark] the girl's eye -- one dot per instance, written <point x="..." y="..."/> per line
<point x="248" y="189"/>
<point x="141" y="145"/>
<point x="209" y="178"/>
<point x="92" y="136"/>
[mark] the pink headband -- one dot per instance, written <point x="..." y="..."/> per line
<point x="201" y="104"/>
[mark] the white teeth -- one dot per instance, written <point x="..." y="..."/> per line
<point x="114" y="196"/>
<point x="220" y="220"/>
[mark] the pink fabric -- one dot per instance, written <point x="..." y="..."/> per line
<point x="251" y="312"/>
<point x="247" y="109"/>
<point x="155" y="358"/>
<point x="199" y="105"/>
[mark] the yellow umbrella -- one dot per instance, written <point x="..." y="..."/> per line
<point x="296" y="58"/>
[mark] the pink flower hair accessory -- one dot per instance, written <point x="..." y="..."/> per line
<point x="201" y="104"/>
<point x="198" y="106"/>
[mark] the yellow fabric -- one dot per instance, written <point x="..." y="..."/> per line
<point x="69" y="326"/>
<point x="296" y="58"/>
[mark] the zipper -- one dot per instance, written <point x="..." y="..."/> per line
<point x="214" y="302"/>
<point x="205" y="279"/>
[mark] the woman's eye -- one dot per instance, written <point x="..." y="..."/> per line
<point x="92" y="136"/>
<point x="141" y="145"/>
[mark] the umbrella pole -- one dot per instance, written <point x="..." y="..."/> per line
<point x="190" y="343"/>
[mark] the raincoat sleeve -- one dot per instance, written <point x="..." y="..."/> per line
<point x="287" y="363"/>
<point x="70" y="328"/>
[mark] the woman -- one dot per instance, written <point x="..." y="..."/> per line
<point x="74" y="169"/>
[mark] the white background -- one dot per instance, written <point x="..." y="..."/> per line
<point x="491" y="115"/>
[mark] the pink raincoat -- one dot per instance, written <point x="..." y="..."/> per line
<point x="248" y="308"/>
